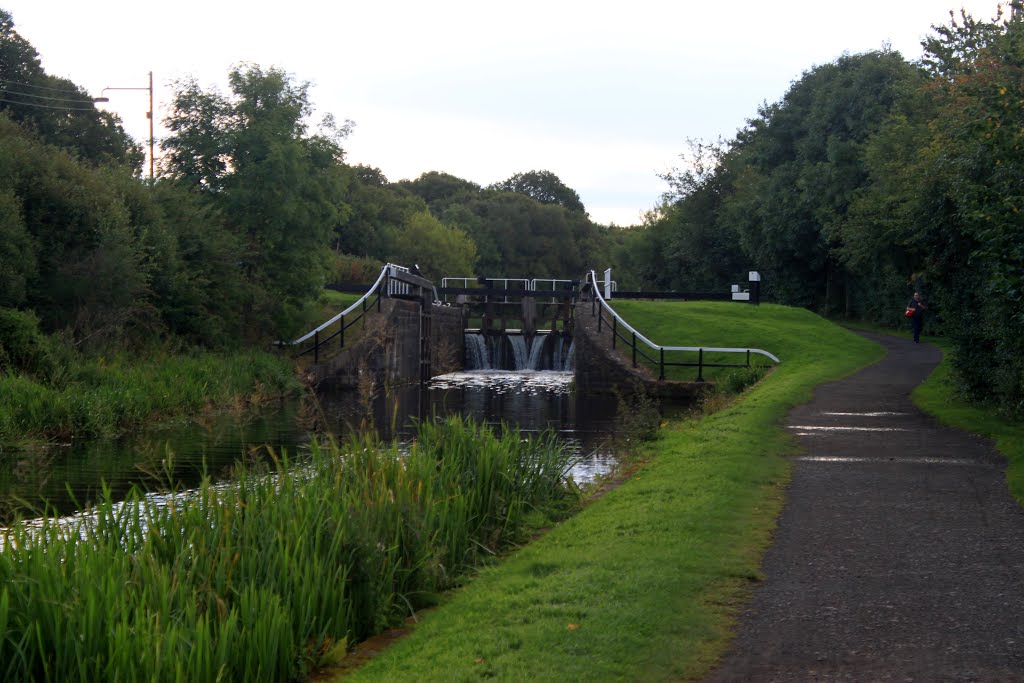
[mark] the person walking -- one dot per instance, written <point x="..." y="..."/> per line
<point x="915" y="310"/>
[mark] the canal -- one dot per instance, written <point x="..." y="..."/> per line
<point x="63" y="478"/>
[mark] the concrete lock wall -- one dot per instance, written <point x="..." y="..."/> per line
<point x="387" y="350"/>
<point x="602" y="370"/>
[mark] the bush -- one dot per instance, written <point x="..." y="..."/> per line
<point x="348" y="268"/>
<point x="23" y="348"/>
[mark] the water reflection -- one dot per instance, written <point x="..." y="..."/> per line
<point x="64" y="478"/>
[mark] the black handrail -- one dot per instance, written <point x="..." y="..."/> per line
<point x="394" y="282"/>
<point x="598" y="308"/>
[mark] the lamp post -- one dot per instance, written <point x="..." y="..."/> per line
<point x="149" y="115"/>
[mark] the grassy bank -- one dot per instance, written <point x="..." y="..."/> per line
<point x="704" y="325"/>
<point x="103" y="396"/>
<point x="937" y="396"/>
<point x="271" y="575"/>
<point x="645" y="583"/>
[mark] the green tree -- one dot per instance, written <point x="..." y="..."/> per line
<point x="438" y="249"/>
<point x="279" y="187"/>
<point x="796" y="168"/>
<point x="55" y="109"/>
<point x="377" y="212"/>
<point x="956" y="197"/>
<point x="440" y="190"/>
<point x="81" y="267"/>
<point x="544" y="187"/>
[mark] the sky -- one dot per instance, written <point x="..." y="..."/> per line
<point x="603" y="94"/>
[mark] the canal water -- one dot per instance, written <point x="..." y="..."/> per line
<point x="64" y="478"/>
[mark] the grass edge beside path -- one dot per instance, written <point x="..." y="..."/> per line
<point x="645" y="584"/>
<point x="937" y="396"/>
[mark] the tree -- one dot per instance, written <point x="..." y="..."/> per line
<point x="440" y="190"/>
<point x="55" y="109"/>
<point x="797" y="167"/>
<point x="377" y="212"/>
<point x="280" y="188"/>
<point x="544" y="187"/>
<point x="439" y="250"/>
<point x="962" y="183"/>
<point x="80" y="265"/>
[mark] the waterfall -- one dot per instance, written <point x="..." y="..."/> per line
<point x="498" y="352"/>
<point x="556" y="353"/>
<point x="519" y="357"/>
<point x="477" y="357"/>
<point x="570" y="357"/>
<point x="536" y="349"/>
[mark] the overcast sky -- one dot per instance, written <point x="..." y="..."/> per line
<point x="602" y="94"/>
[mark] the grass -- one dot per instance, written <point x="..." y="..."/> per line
<point x="104" y="396"/>
<point x="646" y="582"/>
<point x="275" y="573"/>
<point x="335" y="302"/>
<point x="937" y="396"/>
<point x="702" y="321"/>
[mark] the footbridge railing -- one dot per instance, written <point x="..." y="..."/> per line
<point x="394" y="282"/>
<point x="640" y="345"/>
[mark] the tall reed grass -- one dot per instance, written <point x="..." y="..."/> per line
<point x="276" y="572"/>
<point x="101" y="397"/>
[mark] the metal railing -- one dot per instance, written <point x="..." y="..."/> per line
<point x="390" y="283"/>
<point x="469" y="283"/>
<point x="541" y="285"/>
<point x="600" y="308"/>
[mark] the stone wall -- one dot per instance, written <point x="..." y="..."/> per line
<point x="600" y="369"/>
<point x="387" y="350"/>
<point x="447" y="346"/>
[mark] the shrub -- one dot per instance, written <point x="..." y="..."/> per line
<point x="23" y="348"/>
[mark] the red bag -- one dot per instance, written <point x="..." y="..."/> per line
<point x="909" y="313"/>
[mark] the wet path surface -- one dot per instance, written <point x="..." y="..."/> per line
<point x="900" y="553"/>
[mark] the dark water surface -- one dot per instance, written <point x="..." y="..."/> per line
<point x="67" y="477"/>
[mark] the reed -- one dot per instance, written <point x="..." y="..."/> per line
<point x="102" y="397"/>
<point x="276" y="572"/>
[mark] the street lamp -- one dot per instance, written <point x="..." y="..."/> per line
<point x="149" y="115"/>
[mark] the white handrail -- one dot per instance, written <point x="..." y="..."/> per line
<point x="383" y="274"/>
<point x="656" y="347"/>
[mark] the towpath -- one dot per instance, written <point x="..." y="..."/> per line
<point x="899" y="555"/>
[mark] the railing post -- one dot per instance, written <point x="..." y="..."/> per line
<point x="634" y="349"/>
<point x="700" y="365"/>
<point x="748" y="358"/>
<point x="661" y="364"/>
<point x="341" y="333"/>
<point x="316" y="346"/>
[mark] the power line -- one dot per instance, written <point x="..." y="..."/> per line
<point x="39" y="87"/>
<point x="82" y="99"/>
<point x="45" y="106"/>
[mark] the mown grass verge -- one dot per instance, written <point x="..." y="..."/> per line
<point x="268" y="576"/>
<point x="99" y="397"/>
<point x="937" y="396"/>
<point x="645" y="583"/>
<point x="698" y="329"/>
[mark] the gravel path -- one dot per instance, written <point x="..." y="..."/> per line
<point x="899" y="555"/>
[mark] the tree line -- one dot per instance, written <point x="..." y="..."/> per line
<point x="872" y="178"/>
<point x="254" y="209"/>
